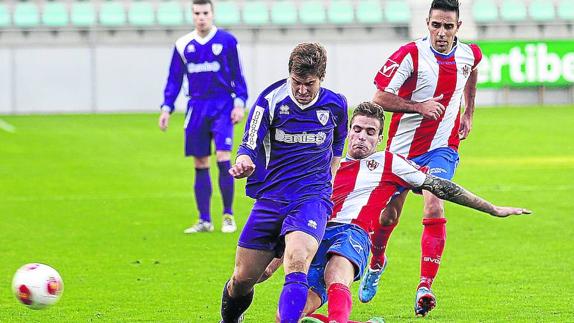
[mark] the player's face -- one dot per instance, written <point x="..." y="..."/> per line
<point x="364" y="136"/>
<point x="305" y="88"/>
<point x="443" y="26"/>
<point x="203" y="17"/>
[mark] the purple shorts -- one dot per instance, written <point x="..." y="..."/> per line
<point x="206" y="120"/>
<point x="271" y="220"/>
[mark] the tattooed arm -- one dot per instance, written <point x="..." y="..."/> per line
<point x="453" y="192"/>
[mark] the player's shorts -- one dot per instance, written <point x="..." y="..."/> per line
<point x="206" y="120"/>
<point x="441" y="162"/>
<point x="271" y="220"/>
<point x="346" y="240"/>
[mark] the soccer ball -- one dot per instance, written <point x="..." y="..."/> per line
<point x="37" y="286"/>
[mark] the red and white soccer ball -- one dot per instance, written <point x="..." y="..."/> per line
<point x="37" y="286"/>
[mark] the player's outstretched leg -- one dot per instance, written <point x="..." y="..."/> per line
<point x="370" y="282"/>
<point x="232" y="309"/>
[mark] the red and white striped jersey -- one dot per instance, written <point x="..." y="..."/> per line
<point x="417" y="72"/>
<point x="363" y="187"/>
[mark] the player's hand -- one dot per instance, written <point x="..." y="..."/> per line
<point x="465" y="126"/>
<point x="431" y="109"/>
<point x="242" y="169"/>
<point x="237" y="115"/>
<point x="164" y="120"/>
<point x="504" y="211"/>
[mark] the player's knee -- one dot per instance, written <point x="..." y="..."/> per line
<point x="389" y="218"/>
<point x="222" y="155"/>
<point x="240" y="285"/>
<point x="434" y="210"/>
<point x="201" y="162"/>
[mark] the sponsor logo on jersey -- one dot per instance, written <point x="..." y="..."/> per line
<point x="389" y="68"/>
<point x="372" y="164"/>
<point x="300" y="138"/>
<point x="203" y="67"/>
<point x="283" y="109"/>
<point x="312" y="224"/>
<point x="466" y="70"/>
<point x="216" y="49"/>
<point x="323" y="116"/>
<point x="190" y="48"/>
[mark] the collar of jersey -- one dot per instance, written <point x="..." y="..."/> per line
<point x="302" y="106"/>
<point x="207" y="38"/>
<point x="441" y="55"/>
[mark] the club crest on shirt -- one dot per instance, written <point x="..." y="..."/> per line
<point x="216" y="49"/>
<point x="190" y="48"/>
<point x="323" y="116"/>
<point x="466" y="70"/>
<point x="283" y="109"/>
<point x="372" y="164"/>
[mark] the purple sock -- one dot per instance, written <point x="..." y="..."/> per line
<point x="293" y="297"/>
<point x="203" y="193"/>
<point x="226" y="185"/>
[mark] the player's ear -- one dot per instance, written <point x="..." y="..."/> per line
<point x="458" y="24"/>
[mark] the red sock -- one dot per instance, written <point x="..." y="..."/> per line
<point x="339" y="303"/>
<point x="432" y="245"/>
<point x="379" y="240"/>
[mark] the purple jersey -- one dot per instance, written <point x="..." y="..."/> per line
<point x="292" y="145"/>
<point x="212" y="67"/>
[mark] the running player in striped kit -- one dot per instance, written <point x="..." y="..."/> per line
<point x="365" y="182"/>
<point x="422" y="84"/>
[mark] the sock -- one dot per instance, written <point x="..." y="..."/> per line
<point x="379" y="240"/>
<point x="339" y="303"/>
<point x="203" y="193"/>
<point x="232" y="308"/>
<point x="293" y="297"/>
<point x="432" y="246"/>
<point x="226" y="185"/>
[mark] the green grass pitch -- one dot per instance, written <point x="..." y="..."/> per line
<point x="104" y="199"/>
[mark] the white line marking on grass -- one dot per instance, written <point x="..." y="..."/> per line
<point x="7" y="127"/>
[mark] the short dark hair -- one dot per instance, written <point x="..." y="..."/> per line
<point x="203" y="2"/>
<point x="308" y="59"/>
<point x="371" y="110"/>
<point x="445" y="5"/>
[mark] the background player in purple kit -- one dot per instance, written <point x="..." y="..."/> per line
<point x="208" y="56"/>
<point x="293" y="141"/>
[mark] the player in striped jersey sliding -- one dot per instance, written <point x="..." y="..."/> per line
<point x="364" y="183"/>
<point x="422" y="84"/>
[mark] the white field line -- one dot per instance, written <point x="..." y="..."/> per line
<point x="7" y="127"/>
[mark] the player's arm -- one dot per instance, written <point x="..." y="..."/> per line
<point x="450" y="191"/>
<point x="239" y="84"/>
<point x="339" y="135"/>
<point x="271" y="269"/>
<point x="469" y="96"/>
<point x="172" y="88"/>
<point x="430" y="109"/>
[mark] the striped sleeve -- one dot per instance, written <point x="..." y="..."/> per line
<point x="407" y="172"/>
<point x="256" y="129"/>
<point x="397" y="69"/>
<point x="477" y="53"/>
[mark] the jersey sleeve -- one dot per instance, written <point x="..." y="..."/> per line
<point x="477" y="53"/>
<point x="397" y="69"/>
<point x="237" y="79"/>
<point x="340" y="133"/>
<point x="407" y="173"/>
<point x="256" y="129"/>
<point x="174" y="81"/>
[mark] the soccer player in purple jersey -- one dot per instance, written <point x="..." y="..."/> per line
<point x="209" y="57"/>
<point x="293" y="141"/>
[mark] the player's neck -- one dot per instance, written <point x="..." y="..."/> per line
<point x="204" y="33"/>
